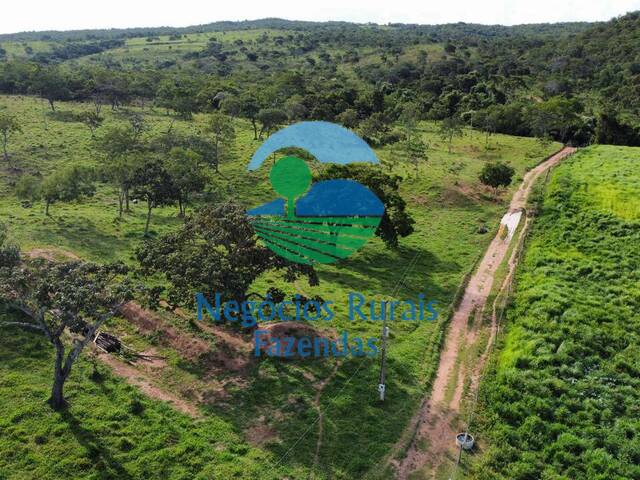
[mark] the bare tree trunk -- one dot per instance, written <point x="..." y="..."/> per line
<point x="146" y="227"/>
<point x="4" y="146"/>
<point x="126" y="200"/>
<point x="46" y="207"/>
<point x="255" y="129"/>
<point x="120" y="202"/>
<point x="53" y="109"/>
<point x="59" y="377"/>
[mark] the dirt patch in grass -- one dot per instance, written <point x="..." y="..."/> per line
<point x="279" y="333"/>
<point x="261" y="432"/>
<point x="52" y="254"/>
<point x="149" y="323"/>
<point x="138" y="378"/>
<point x="461" y="194"/>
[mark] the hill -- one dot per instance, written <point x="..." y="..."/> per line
<point x="571" y="82"/>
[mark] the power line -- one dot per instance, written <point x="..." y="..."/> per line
<point x="382" y="387"/>
<point x="360" y="365"/>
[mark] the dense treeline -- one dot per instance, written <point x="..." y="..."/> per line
<point x="575" y="83"/>
<point x="462" y="29"/>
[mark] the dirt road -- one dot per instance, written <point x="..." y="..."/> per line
<point x="438" y="419"/>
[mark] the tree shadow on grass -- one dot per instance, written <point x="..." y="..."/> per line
<point x="82" y="234"/>
<point x="410" y="271"/>
<point x="104" y="464"/>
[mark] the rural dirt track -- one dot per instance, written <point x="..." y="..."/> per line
<point x="437" y="421"/>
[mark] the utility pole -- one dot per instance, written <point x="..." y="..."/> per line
<point x="383" y="359"/>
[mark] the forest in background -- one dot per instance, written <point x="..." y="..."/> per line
<point x="575" y="83"/>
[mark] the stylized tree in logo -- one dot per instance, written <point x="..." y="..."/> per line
<point x="290" y="177"/>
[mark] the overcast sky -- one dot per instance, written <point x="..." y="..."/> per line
<point x="27" y="15"/>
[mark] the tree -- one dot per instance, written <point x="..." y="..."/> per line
<point x="92" y="120"/>
<point x="122" y="152"/>
<point x="152" y="183"/>
<point x="295" y="108"/>
<point x="554" y="118"/>
<point x="496" y="174"/>
<point x="221" y="128"/>
<point x="249" y="109"/>
<point x="409" y="118"/>
<point x="415" y="150"/>
<point x="9" y="125"/>
<point x="9" y="253"/>
<point x="138" y="124"/>
<point x="51" y="83"/>
<point x="271" y="119"/>
<point x="28" y="187"/>
<point x="67" y="185"/>
<point x="178" y="94"/>
<point x="53" y="299"/>
<point x="216" y="250"/>
<point x="348" y="118"/>
<point x="375" y="128"/>
<point x="449" y="128"/>
<point x="396" y="221"/>
<point x="231" y="105"/>
<point x="182" y="165"/>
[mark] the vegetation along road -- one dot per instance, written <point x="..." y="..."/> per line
<point x="439" y="416"/>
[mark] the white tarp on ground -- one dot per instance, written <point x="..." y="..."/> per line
<point x="511" y="221"/>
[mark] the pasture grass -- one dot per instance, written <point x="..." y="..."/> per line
<point x="448" y="204"/>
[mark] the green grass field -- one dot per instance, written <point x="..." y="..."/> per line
<point x="561" y="400"/>
<point x="448" y="204"/>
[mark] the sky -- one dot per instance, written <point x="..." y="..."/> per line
<point x="30" y="15"/>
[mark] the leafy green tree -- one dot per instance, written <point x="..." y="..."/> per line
<point x="231" y="105"/>
<point x="152" y="183"/>
<point x="188" y="178"/>
<point x="409" y="118"/>
<point x="250" y="109"/>
<point x="216" y="250"/>
<point x="221" y="128"/>
<point x="121" y="151"/>
<point x="554" y="118"/>
<point x="9" y="125"/>
<point x="271" y="119"/>
<point x="450" y="128"/>
<point x="180" y="95"/>
<point x="28" y="187"/>
<point x="51" y="84"/>
<point x="67" y="185"/>
<point x="348" y="118"/>
<point x="9" y="253"/>
<point x="496" y="174"/>
<point x="375" y="128"/>
<point x="396" y="221"/>
<point x="92" y="120"/>
<point x="56" y="300"/>
<point x="415" y="150"/>
<point x="138" y="124"/>
<point x="295" y="108"/>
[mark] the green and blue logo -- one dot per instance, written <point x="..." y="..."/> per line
<point x="321" y="222"/>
